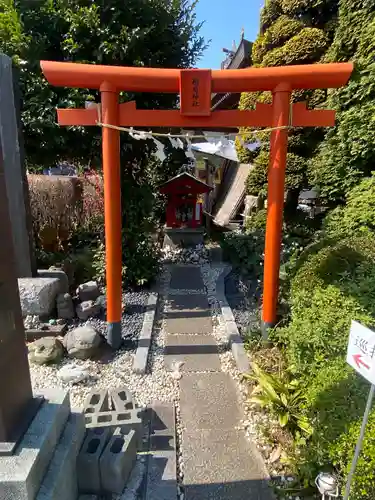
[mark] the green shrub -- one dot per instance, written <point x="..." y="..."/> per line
<point x="244" y="251"/>
<point x="141" y="262"/>
<point x="333" y="283"/>
<point x="283" y="29"/>
<point x="358" y="216"/>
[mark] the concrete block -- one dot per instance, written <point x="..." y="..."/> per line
<point x="60" y="481"/>
<point x="21" y="474"/>
<point x="240" y="356"/>
<point x="88" y="470"/>
<point x="38" y="295"/>
<point x="127" y="420"/>
<point x="56" y="273"/>
<point x="117" y="461"/>
<point x="96" y="402"/>
<point x="122" y="399"/>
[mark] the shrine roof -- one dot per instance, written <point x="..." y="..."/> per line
<point x="185" y="182"/>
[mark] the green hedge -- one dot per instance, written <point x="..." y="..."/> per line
<point x="332" y="284"/>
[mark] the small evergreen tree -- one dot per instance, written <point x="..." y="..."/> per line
<point x="291" y="32"/>
<point x="347" y="153"/>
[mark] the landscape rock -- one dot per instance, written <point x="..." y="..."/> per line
<point x="102" y="302"/>
<point x="38" y="295"/>
<point x="56" y="272"/>
<point x="82" y="342"/>
<point x="88" y="291"/>
<point x="73" y="373"/>
<point x="45" y="350"/>
<point x="65" y="307"/>
<point x="86" y="309"/>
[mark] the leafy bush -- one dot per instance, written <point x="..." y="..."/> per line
<point x="333" y="282"/>
<point x="282" y="397"/>
<point x="358" y="216"/>
<point x="141" y="262"/>
<point x="244" y="251"/>
<point x="332" y="287"/>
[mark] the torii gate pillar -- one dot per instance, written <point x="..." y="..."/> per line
<point x="275" y="204"/>
<point x="195" y="88"/>
<point x="112" y="213"/>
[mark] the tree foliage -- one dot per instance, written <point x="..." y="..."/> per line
<point x="347" y="153"/>
<point x="153" y="33"/>
<point x="291" y="32"/>
<point x="133" y="33"/>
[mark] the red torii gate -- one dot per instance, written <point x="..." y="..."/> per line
<point x="195" y="87"/>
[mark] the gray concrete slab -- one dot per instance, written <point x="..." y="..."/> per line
<point x="186" y="278"/>
<point x="162" y="427"/>
<point x="21" y="474"/>
<point x="161" y="482"/>
<point x="188" y="314"/>
<point x="145" y="337"/>
<point x="208" y="401"/>
<point x="161" y="476"/>
<point x="198" y="353"/>
<point x="60" y="481"/>
<point x="222" y="466"/>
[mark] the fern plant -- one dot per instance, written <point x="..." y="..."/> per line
<point x="282" y="398"/>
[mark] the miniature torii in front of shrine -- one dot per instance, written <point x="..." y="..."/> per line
<point x="195" y="87"/>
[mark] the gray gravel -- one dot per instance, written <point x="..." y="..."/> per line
<point x="132" y="318"/>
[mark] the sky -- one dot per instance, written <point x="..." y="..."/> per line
<point x="224" y="20"/>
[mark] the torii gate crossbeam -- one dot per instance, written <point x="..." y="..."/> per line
<point x="195" y="88"/>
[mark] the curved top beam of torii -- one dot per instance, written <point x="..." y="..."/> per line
<point x="309" y="76"/>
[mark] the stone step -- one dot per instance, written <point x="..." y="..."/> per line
<point x="222" y="465"/>
<point x="188" y="314"/>
<point x="208" y="401"/>
<point x="60" y="481"/>
<point x="161" y="481"/>
<point x="197" y="353"/>
<point x="219" y="462"/>
<point x="22" y="473"/>
<point x="186" y="278"/>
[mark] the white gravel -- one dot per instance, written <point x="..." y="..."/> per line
<point x="157" y="384"/>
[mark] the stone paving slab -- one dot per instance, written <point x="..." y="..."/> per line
<point x="161" y="468"/>
<point x="198" y="353"/>
<point x="187" y="278"/>
<point x="188" y="314"/>
<point x="209" y="401"/>
<point x="222" y="466"/>
<point x="161" y="476"/>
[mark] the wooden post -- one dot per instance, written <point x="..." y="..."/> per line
<point x="14" y="177"/>
<point x="275" y="204"/>
<point x="112" y="213"/>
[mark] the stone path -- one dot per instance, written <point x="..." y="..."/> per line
<point x="219" y="462"/>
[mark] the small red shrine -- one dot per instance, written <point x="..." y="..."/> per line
<point x="184" y="212"/>
<point x="184" y="208"/>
